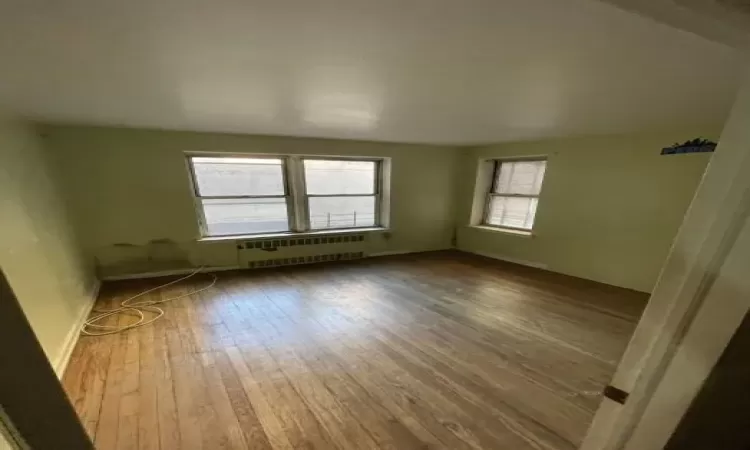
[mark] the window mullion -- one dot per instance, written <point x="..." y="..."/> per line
<point x="378" y="212"/>
<point x="495" y="175"/>
<point x="487" y="203"/>
<point x="298" y="210"/>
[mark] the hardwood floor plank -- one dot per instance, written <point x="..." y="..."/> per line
<point x="109" y="417"/>
<point x="226" y="417"/>
<point x="390" y="384"/>
<point x="255" y="436"/>
<point x="385" y="427"/>
<point x="148" y="409"/>
<point x="127" y="428"/>
<point x="272" y="427"/>
<point x="186" y="379"/>
<point x="455" y="420"/>
<point x="271" y="382"/>
<point x="440" y="351"/>
<point x="287" y="364"/>
<point x="511" y="348"/>
<point x="302" y="429"/>
<point x="166" y="407"/>
<point x="85" y="378"/>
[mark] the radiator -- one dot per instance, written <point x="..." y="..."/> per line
<point x="301" y="250"/>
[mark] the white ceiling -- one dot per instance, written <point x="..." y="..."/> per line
<point x="435" y="71"/>
<point x="726" y="21"/>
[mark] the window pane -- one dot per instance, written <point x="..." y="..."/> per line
<point x="341" y="212"/>
<point x="238" y="176"/>
<point x="245" y="215"/>
<point x="516" y="212"/>
<point x="331" y="177"/>
<point x="520" y="177"/>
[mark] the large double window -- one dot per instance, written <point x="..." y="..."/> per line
<point x="259" y="194"/>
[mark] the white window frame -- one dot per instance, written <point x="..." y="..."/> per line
<point x="295" y="192"/>
<point x="496" y="163"/>
<point x="377" y="190"/>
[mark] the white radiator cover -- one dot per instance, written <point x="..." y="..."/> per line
<point x="301" y="250"/>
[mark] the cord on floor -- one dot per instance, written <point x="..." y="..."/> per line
<point x="92" y="327"/>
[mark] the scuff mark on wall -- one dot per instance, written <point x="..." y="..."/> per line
<point x="162" y="254"/>
<point x="154" y="256"/>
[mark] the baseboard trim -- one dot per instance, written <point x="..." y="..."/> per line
<point x="404" y="252"/>
<point x="188" y="270"/>
<point x="521" y="262"/>
<point x="167" y="273"/>
<point x="75" y="332"/>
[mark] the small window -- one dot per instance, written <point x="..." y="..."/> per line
<point x="341" y="193"/>
<point x="241" y="195"/>
<point x="514" y="196"/>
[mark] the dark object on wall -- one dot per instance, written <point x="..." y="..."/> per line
<point x="697" y="145"/>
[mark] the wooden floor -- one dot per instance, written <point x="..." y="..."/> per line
<point x="442" y="350"/>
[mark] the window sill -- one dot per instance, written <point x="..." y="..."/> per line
<point x="250" y="237"/>
<point x="511" y="231"/>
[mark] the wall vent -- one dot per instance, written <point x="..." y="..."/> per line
<point x="299" y="242"/>
<point x="294" y="260"/>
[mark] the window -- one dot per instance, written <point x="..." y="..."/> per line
<point x="251" y="195"/>
<point x="514" y="195"/>
<point x="341" y="193"/>
<point x="241" y="195"/>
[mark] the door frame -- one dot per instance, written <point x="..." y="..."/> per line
<point x="676" y="310"/>
<point x="36" y="412"/>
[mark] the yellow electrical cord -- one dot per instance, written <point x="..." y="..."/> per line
<point x="91" y="325"/>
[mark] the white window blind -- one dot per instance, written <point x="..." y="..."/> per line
<point x="514" y="196"/>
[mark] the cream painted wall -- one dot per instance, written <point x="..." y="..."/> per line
<point x="609" y="208"/>
<point x="129" y="193"/>
<point x="38" y="249"/>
